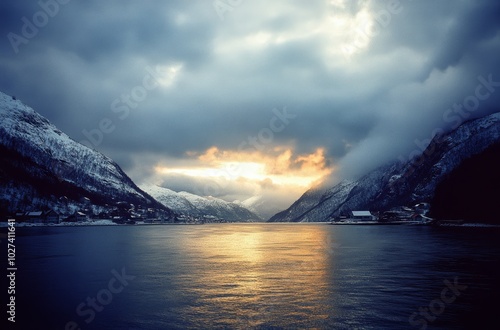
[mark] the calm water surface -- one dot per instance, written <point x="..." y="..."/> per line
<point x="263" y="276"/>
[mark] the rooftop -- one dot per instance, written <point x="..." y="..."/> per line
<point x="361" y="213"/>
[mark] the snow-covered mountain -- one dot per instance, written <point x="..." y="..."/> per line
<point x="171" y="199"/>
<point x="260" y="205"/>
<point x="398" y="183"/>
<point x="197" y="206"/>
<point x="41" y="167"/>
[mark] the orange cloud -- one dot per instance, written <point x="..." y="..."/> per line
<point x="277" y="167"/>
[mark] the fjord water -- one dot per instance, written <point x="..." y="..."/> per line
<point x="239" y="276"/>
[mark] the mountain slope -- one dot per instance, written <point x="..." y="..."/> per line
<point x="43" y="168"/>
<point x="193" y="205"/>
<point x="398" y="183"/>
<point x="260" y="205"/>
<point x="470" y="192"/>
<point x="171" y="199"/>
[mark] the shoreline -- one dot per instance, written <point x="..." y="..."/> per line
<point x="106" y="222"/>
<point x="96" y="223"/>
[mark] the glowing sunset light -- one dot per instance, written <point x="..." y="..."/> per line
<point x="278" y="167"/>
<point x="230" y="170"/>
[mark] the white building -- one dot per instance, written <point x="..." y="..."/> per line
<point x="362" y="215"/>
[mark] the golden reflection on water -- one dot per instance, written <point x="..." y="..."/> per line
<point x="247" y="271"/>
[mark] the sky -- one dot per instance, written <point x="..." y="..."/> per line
<point x="239" y="98"/>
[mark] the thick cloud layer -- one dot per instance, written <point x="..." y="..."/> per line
<point x="157" y="82"/>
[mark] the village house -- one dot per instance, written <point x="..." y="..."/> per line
<point x="77" y="217"/>
<point x="52" y="216"/>
<point x="35" y="217"/>
<point x="362" y="215"/>
<point x="49" y="216"/>
<point x="81" y="217"/>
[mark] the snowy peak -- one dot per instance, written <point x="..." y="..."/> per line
<point x="171" y="199"/>
<point x="197" y="206"/>
<point x="44" y="168"/>
<point x="261" y="205"/>
<point x="34" y="136"/>
<point x="471" y="128"/>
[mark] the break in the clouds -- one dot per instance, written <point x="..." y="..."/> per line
<point x="173" y="90"/>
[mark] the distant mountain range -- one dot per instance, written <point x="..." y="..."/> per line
<point x="42" y="168"/>
<point x="260" y="205"/>
<point x="402" y="183"/>
<point x="197" y="206"/>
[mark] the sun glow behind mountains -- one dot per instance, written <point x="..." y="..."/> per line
<point x="278" y="167"/>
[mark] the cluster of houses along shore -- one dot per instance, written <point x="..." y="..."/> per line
<point x="53" y="217"/>
<point x="50" y="216"/>
<point x="149" y="215"/>
<point x="415" y="213"/>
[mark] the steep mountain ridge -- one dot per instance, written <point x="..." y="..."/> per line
<point x="398" y="183"/>
<point x="42" y="167"/>
<point x="197" y="206"/>
<point x="171" y="199"/>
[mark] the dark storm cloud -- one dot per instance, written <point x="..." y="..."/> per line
<point x="429" y="58"/>
<point x="95" y="51"/>
<point x="445" y="30"/>
<point x="365" y="109"/>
